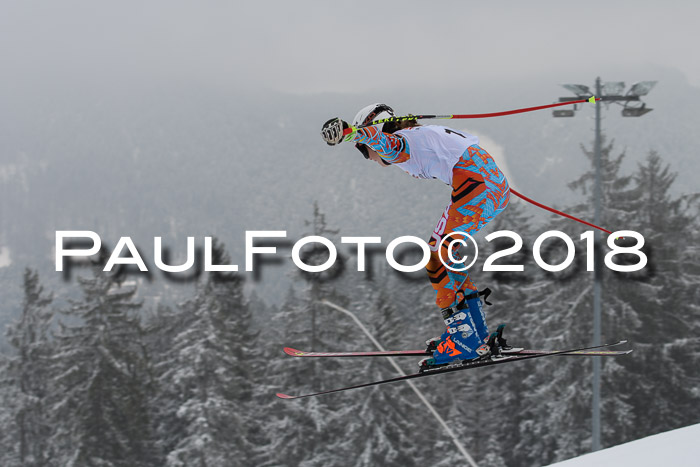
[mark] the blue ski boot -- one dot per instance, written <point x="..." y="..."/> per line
<point x="475" y="306"/>
<point x="459" y="343"/>
<point x="472" y="304"/>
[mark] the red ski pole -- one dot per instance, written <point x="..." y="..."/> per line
<point x="591" y="99"/>
<point x="547" y="208"/>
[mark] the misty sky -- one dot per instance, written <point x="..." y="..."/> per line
<point x="309" y="46"/>
<point x="193" y="78"/>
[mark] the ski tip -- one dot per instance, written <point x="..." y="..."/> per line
<point x="624" y="341"/>
<point x="285" y="396"/>
<point x="293" y="352"/>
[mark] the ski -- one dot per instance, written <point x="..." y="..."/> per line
<point x="422" y="353"/>
<point x="579" y="353"/>
<point x="385" y="353"/>
<point x="453" y="367"/>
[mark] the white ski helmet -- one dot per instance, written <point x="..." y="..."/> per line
<point x="371" y="113"/>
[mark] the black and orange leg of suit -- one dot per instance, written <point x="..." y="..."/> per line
<point x="479" y="192"/>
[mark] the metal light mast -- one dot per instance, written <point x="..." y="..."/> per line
<point x="633" y="107"/>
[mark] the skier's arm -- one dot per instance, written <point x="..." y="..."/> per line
<point x="392" y="148"/>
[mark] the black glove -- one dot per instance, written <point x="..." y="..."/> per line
<point x="332" y="131"/>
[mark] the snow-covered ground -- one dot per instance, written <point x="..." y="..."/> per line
<point x="677" y="447"/>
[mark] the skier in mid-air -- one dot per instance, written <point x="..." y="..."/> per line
<point x="479" y="192"/>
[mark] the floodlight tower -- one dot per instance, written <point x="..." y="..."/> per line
<point x="610" y="91"/>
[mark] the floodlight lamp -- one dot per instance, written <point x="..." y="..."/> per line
<point x="641" y="88"/>
<point x="563" y="113"/>
<point x="613" y="88"/>
<point x="635" y="111"/>
<point x="578" y="89"/>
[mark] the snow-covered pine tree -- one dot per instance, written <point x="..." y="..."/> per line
<point x="322" y="430"/>
<point x="662" y="377"/>
<point x="9" y="394"/>
<point x="99" y="411"/>
<point x="393" y="425"/>
<point x="25" y="378"/>
<point x="293" y="423"/>
<point x="556" y="408"/>
<point x="161" y="326"/>
<point x="206" y="403"/>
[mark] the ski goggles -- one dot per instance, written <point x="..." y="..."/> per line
<point x="363" y="149"/>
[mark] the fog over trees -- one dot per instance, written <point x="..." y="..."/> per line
<point x="114" y="377"/>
